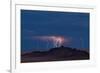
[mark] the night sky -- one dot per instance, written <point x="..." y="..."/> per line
<point x="36" y="25"/>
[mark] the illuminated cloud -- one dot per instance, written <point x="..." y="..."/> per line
<point x="56" y="40"/>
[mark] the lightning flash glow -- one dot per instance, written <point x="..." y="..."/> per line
<point x="56" y="40"/>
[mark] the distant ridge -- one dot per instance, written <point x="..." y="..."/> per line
<point x="55" y="54"/>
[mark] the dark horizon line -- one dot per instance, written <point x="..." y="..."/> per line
<point x="81" y="49"/>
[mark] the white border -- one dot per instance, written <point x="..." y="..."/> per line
<point x="17" y="66"/>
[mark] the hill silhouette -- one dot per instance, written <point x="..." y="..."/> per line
<point x="55" y="54"/>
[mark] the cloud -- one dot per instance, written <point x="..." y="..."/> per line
<point x="56" y="40"/>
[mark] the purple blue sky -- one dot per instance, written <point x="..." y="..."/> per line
<point x="72" y="26"/>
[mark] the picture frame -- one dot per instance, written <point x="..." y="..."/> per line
<point x="17" y="66"/>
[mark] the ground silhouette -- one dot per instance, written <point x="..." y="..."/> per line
<point x="55" y="54"/>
